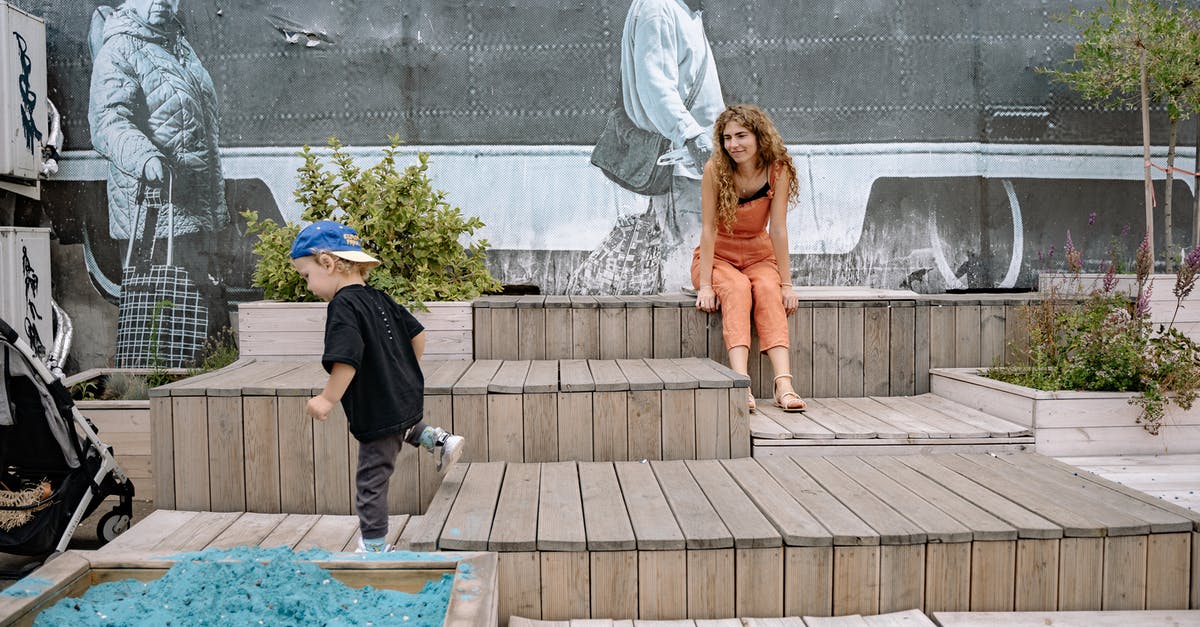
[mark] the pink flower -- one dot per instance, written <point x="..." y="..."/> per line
<point x="1110" y="278"/>
<point x="1141" y="262"/>
<point x="1074" y="256"/>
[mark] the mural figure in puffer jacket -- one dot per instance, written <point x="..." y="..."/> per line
<point x="153" y="115"/>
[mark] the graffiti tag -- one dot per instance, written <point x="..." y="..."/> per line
<point x="31" y="312"/>
<point x="28" y="97"/>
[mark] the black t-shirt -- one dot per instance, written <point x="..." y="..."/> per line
<point x="366" y="329"/>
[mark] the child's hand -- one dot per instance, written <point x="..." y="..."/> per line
<point x="319" y="407"/>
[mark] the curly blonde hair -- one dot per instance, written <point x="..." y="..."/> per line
<point x="771" y="151"/>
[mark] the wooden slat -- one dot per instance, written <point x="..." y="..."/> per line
<point x="936" y="420"/>
<point x="330" y="533"/>
<point x="575" y="440"/>
<point x="612" y="328"/>
<point x="469" y="524"/>
<point x="509" y="378"/>
<point x="639" y="324"/>
<point x="997" y="427"/>
<point x="1161" y="618"/>
<point x="798" y="425"/>
<point x="850" y="350"/>
<point x="515" y="523"/>
<point x="795" y="524"/>
<point x="531" y="327"/>
<point x="605" y="518"/>
<point x="585" y="328"/>
<point x="847" y="421"/>
<point x="645" y="420"/>
<point x="249" y="529"/>
<point x="190" y="446"/>
<point x="667" y="329"/>
<point x="914" y="428"/>
<point x="445" y="374"/>
<point x="983" y="525"/>
<point x="614" y="585"/>
<point x="610" y="426"/>
<point x="477" y="377"/>
<point x="542" y="377"/>
<point x="426" y="533"/>
<point x="937" y="525"/>
<point x="331" y="463"/>
<point x="540" y="413"/>
<point x="653" y="524"/>
<point x="297" y="489"/>
<point x="843" y="526"/>
<point x="608" y="376"/>
<point x="876" y="345"/>
<point x="749" y="527"/>
<point x="701" y="525"/>
<point x="560" y="509"/>
<point x="762" y="426"/>
<point x="825" y="350"/>
<point x="902" y="373"/>
<point x="575" y="376"/>
<point x="679" y="424"/>
<point x="700" y="371"/>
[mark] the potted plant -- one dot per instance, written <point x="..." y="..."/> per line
<point x="404" y="222"/>
<point x="1101" y="375"/>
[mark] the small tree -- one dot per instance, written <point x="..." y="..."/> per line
<point x="1132" y="52"/>
<point x="404" y="222"/>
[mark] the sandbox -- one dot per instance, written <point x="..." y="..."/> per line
<point x="472" y="596"/>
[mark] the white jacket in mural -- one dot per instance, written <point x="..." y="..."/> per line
<point x="664" y="51"/>
<point x="150" y="96"/>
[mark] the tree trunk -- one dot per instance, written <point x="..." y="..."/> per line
<point x="1146" y="154"/>
<point x="1168" y="221"/>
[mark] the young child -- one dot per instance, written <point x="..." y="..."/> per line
<point x="372" y="346"/>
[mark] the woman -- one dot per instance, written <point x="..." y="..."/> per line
<point x="741" y="264"/>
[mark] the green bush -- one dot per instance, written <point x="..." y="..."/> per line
<point x="403" y="221"/>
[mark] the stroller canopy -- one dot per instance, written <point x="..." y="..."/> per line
<point x="36" y="427"/>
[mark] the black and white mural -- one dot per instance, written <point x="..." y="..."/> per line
<point x="932" y="155"/>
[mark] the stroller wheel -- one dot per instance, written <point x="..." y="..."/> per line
<point x="112" y="525"/>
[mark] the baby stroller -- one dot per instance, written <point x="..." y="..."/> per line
<point x="54" y="470"/>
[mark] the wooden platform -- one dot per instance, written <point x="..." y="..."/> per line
<point x="878" y="425"/>
<point x="793" y="536"/>
<point x="238" y="439"/>
<point x="910" y="618"/>
<point x="1175" y="478"/>
<point x="845" y="341"/>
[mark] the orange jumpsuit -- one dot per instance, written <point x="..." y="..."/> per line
<point x="745" y="276"/>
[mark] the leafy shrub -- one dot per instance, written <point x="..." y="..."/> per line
<point x="219" y="350"/>
<point x="403" y="221"/>
<point x="1104" y="341"/>
<point x="126" y="387"/>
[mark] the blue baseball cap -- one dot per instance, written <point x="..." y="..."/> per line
<point x="334" y="237"/>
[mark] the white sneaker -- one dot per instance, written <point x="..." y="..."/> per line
<point x="374" y="548"/>
<point x="448" y="450"/>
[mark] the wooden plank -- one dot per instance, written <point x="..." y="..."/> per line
<point x="843" y="526"/>
<point x="482" y="324"/>
<point x="662" y="584"/>
<point x="331" y="464"/>
<point x="876" y="351"/>
<point x="439" y="410"/>
<point x="531" y="328"/>
<point x="856" y="580"/>
<point x="520" y="586"/>
<point x="227" y="479"/>
<point x="1168" y="570"/>
<point x="477" y="377"/>
<point x="739" y="424"/>
<point x="396" y="525"/>
<point x="604" y="515"/>
<point x="702" y="373"/>
<point x="610" y="426"/>
<point x="991" y="335"/>
<point x="996" y="427"/>
<point x="667" y="330"/>
<point x="290" y="530"/>
<point x="759" y="582"/>
<point x="710" y="583"/>
<point x="261" y="465"/>
<point x="800" y="332"/>
<point x="1124" y="573"/>
<point x="645" y="420"/>
<point x="639" y="375"/>
<point x="942" y="337"/>
<point x="808" y="581"/>
<point x="907" y="618"/>
<point x="514" y="526"/>
<point x="250" y="529"/>
<point x="967" y="328"/>
<point x="795" y="524"/>
<point x="1081" y="568"/>
<point x="509" y="378"/>
<point x="891" y="526"/>
<point x="936" y="420"/>
<point x="923" y="346"/>
<point x="442" y="377"/>
<point x="1126" y="490"/>
<point x="901" y="576"/>
<point x="614" y="584"/>
<point x="848" y="421"/>
<point x="693" y="332"/>
<point x="608" y="376"/>
<point x="914" y="427"/>
<point x="297" y="487"/>
<point x="471" y="422"/>
<point x="154" y="528"/>
<point x="762" y="426"/>
<point x="540" y="414"/>
<point x="585" y="328"/>
<point x="1036" y="575"/>
<point x="505" y="427"/>
<point x="1064" y="619"/>
<point x="190" y="445"/>
<point x="993" y="569"/>
<point x="748" y="526"/>
<point x="850" y="351"/>
<point x="330" y="533"/>
<point x="162" y="435"/>
<point x="575" y="376"/>
<point x="947" y="577"/>
<point x="711" y="412"/>
<point x="505" y="334"/>
<point x="902" y="350"/>
<point x="469" y="524"/>
<point x="700" y="523"/>
<point x="574" y="426"/>
<point x="797" y="425"/>
<point x="654" y="527"/>
<point x="612" y="331"/>
<point x="825" y="351"/>
<point x="428" y="530"/>
<point x="565" y="585"/>
<point x="560" y="509"/>
<point x="542" y="377"/>
<point x="639" y="324"/>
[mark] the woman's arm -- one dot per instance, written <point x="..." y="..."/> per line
<point x="779" y="238"/>
<point x="706" y="298"/>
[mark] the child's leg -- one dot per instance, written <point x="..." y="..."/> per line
<point x="443" y="445"/>
<point x="376" y="462"/>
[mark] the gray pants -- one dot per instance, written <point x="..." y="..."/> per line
<point x="678" y="212"/>
<point x="376" y="463"/>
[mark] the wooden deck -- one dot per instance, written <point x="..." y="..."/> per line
<point x="910" y="618"/>
<point x="1173" y="478"/>
<point x="877" y="425"/>
<point x="814" y="537"/>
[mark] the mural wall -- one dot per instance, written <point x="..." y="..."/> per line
<point x="931" y="155"/>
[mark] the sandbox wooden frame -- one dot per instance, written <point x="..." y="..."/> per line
<point x="473" y="599"/>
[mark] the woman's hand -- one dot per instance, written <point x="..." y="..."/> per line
<point x="706" y="299"/>
<point x="790" y="300"/>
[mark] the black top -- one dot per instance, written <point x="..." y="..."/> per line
<point x="761" y="193"/>
<point x="366" y="329"/>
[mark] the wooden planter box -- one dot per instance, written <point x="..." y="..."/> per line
<point x="1162" y="298"/>
<point x="472" y="600"/>
<point x="1070" y="423"/>
<point x="291" y="331"/>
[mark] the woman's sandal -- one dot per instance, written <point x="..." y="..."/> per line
<point x="788" y="401"/>
<point x="750" y="402"/>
